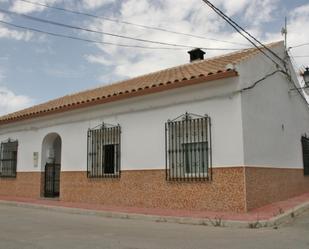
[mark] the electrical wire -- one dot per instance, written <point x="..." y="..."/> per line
<point x="129" y="23"/>
<point x="296" y="87"/>
<point x="82" y="39"/>
<point x="301" y="56"/>
<point x="241" y="31"/>
<point x="260" y="80"/>
<point x="299" y="45"/>
<point x="106" y="33"/>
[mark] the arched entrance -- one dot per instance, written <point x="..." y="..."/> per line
<point x="51" y="165"/>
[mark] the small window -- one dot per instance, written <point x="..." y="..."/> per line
<point x="104" y="151"/>
<point x="305" y="147"/>
<point x="8" y="158"/>
<point x="188" y="148"/>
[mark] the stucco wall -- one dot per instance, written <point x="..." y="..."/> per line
<point x="142" y="121"/>
<point x="274" y="118"/>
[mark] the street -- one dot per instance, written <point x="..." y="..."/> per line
<point x="25" y="228"/>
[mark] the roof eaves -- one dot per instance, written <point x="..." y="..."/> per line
<point x="155" y="88"/>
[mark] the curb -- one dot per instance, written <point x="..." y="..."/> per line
<point x="215" y="222"/>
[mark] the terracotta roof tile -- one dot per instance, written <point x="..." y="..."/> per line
<point x="144" y="84"/>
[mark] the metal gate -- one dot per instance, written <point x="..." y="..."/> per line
<point x="52" y="180"/>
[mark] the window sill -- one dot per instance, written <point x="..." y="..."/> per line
<point x="7" y="177"/>
<point x="104" y="176"/>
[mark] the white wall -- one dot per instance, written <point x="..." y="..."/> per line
<point x="142" y="121"/>
<point x="274" y="118"/>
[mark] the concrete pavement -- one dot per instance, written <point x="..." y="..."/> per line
<point x="266" y="216"/>
<point x="27" y="228"/>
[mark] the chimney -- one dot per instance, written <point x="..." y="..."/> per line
<point x="196" y="54"/>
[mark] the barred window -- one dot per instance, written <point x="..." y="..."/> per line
<point x="305" y="147"/>
<point x="188" y="148"/>
<point x="104" y="151"/>
<point x="8" y="158"/>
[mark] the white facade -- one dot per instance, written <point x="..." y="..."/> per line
<point x="262" y="126"/>
<point x="142" y="122"/>
<point x="274" y="116"/>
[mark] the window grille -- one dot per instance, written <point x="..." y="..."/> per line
<point x="188" y="148"/>
<point x="104" y="151"/>
<point x="8" y="158"/>
<point x="305" y="147"/>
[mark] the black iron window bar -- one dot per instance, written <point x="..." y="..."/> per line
<point x="188" y="148"/>
<point x="8" y="158"/>
<point x="104" y="151"/>
<point x="305" y="147"/>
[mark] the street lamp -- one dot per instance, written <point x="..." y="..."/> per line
<point x="306" y="76"/>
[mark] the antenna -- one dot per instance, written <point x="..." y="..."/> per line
<point x="284" y="32"/>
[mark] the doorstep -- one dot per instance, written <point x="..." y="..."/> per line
<point x="268" y="216"/>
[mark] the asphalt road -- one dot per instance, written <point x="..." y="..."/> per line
<point x="24" y="228"/>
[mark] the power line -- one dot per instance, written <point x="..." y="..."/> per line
<point x="299" y="90"/>
<point x="301" y="56"/>
<point x="104" y="33"/>
<point x="259" y="81"/>
<point x="300" y="45"/>
<point x="241" y="31"/>
<point x="82" y="39"/>
<point x="87" y="40"/>
<point x="129" y="23"/>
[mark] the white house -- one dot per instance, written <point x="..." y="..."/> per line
<point x="225" y="134"/>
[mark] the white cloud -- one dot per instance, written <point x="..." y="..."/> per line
<point x="92" y="4"/>
<point x="9" y="33"/>
<point x="233" y="7"/>
<point x="10" y="102"/>
<point x="97" y="59"/>
<point x="13" y="34"/>
<point x="261" y="11"/>
<point x="23" y="7"/>
<point x="297" y="34"/>
<point x="191" y="17"/>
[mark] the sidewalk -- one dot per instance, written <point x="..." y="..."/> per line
<point x="267" y="216"/>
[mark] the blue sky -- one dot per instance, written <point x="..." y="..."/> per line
<point x="35" y="67"/>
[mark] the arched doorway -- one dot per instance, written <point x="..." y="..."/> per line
<point x="51" y="165"/>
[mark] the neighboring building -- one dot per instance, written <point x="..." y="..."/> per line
<point x="222" y="134"/>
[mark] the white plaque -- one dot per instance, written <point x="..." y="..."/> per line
<point x="35" y="159"/>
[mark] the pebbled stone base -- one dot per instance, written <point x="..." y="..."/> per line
<point x="149" y="189"/>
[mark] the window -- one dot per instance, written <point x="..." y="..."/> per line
<point x="305" y="147"/>
<point x="195" y="160"/>
<point x="104" y="151"/>
<point x="8" y="158"/>
<point x="188" y="148"/>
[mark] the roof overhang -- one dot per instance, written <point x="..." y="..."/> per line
<point x="123" y="95"/>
